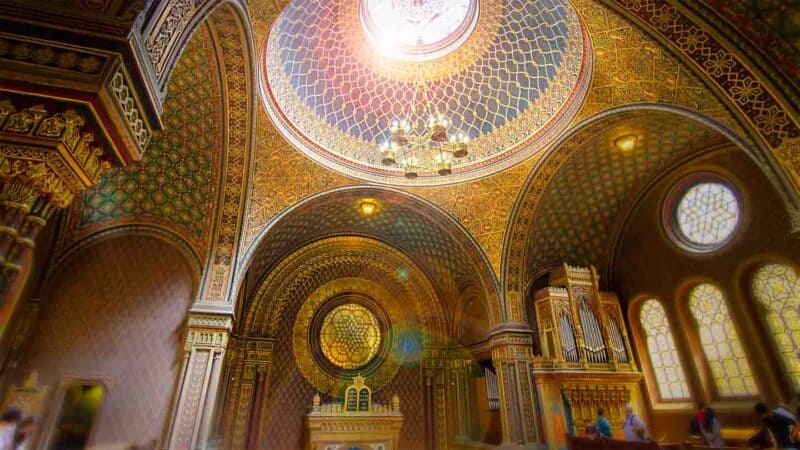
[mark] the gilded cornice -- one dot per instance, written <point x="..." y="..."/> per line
<point x="46" y="56"/>
<point x="49" y="149"/>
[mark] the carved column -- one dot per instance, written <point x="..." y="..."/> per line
<point x="434" y="367"/>
<point x="460" y="376"/>
<point x="196" y="394"/>
<point x="245" y="390"/>
<point x="512" y="356"/>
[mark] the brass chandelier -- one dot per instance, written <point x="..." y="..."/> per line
<point x="421" y="141"/>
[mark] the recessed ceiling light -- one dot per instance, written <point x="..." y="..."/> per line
<point x="368" y="207"/>
<point x="627" y="142"/>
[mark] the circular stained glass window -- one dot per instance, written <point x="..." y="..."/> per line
<point x="418" y="29"/>
<point x="350" y="336"/>
<point x="706" y="214"/>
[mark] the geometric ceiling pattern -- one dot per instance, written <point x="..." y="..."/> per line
<point x="434" y="242"/>
<point x="511" y="86"/>
<point x="773" y="25"/>
<point x="629" y="67"/>
<point x="174" y="185"/>
<point x="580" y="212"/>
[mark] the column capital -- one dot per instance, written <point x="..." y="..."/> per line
<point x="209" y="331"/>
<point x="512" y="345"/>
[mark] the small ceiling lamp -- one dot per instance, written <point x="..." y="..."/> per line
<point x="411" y="167"/>
<point x="627" y="142"/>
<point x="368" y="207"/>
<point x="444" y="163"/>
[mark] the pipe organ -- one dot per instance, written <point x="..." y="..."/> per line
<point x="580" y="326"/>
<point x="585" y="354"/>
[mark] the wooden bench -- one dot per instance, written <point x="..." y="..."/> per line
<point x="584" y="443"/>
<point x="689" y="446"/>
<point x="734" y="438"/>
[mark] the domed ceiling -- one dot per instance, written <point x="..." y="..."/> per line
<point x="508" y="74"/>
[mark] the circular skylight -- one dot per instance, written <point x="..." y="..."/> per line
<point x="706" y="215"/>
<point x="417" y="29"/>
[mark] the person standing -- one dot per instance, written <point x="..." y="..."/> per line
<point x="8" y="428"/>
<point x="779" y="425"/>
<point x="603" y="425"/>
<point x="634" y="428"/>
<point x="710" y="429"/>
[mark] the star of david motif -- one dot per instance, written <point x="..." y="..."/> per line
<point x="708" y="213"/>
<point x="350" y="336"/>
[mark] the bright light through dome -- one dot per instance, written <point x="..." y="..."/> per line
<point x="418" y="29"/>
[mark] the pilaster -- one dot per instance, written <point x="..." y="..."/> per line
<point x="435" y="370"/>
<point x="512" y="356"/>
<point x="245" y="387"/>
<point x="196" y="394"/>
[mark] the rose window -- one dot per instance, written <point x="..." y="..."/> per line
<point x="706" y="214"/>
<point x="350" y="336"/>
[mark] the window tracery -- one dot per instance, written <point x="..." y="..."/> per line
<point x="720" y="342"/>
<point x="664" y="359"/>
<point x="776" y="287"/>
<point x="350" y="336"/>
<point x="705" y="215"/>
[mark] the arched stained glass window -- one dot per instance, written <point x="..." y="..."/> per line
<point x="667" y="368"/>
<point x="721" y="345"/>
<point x="777" y="289"/>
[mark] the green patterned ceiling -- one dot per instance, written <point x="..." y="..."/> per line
<point x="582" y="207"/>
<point x="174" y="185"/>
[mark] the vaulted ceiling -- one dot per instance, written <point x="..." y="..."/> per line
<point x="433" y="240"/>
<point x="583" y="206"/>
<point x="175" y="184"/>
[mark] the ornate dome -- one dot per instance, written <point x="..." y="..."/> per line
<point x="509" y="74"/>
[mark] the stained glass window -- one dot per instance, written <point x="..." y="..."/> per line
<point x="777" y="289"/>
<point x="667" y="367"/>
<point x="707" y="215"/>
<point x="720" y="341"/>
<point x="350" y="336"/>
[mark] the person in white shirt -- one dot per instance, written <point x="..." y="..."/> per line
<point x="634" y="428"/>
<point x="8" y="428"/>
